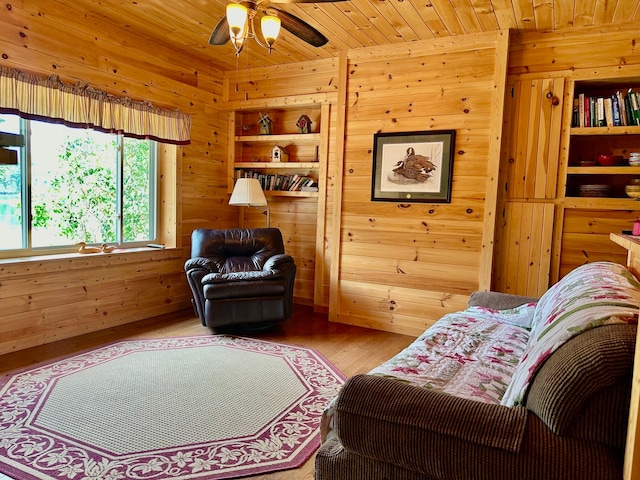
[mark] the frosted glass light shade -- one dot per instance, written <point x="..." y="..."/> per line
<point x="236" y="18"/>
<point x="247" y="192"/>
<point x="270" y="27"/>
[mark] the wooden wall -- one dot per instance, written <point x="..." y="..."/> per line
<point x="54" y="298"/>
<point x="402" y="266"/>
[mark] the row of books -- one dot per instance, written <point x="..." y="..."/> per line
<point x="291" y="183"/>
<point x="619" y="109"/>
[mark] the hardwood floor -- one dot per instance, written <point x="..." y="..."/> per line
<point x="351" y="349"/>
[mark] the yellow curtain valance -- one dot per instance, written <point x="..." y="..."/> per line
<point x="49" y="99"/>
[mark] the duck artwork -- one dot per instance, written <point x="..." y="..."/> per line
<point x="415" y="167"/>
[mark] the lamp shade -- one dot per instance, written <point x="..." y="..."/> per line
<point x="270" y="27"/>
<point x="247" y="192"/>
<point x="236" y="18"/>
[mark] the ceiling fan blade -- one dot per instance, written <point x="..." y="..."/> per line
<point x="301" y="29"/>
<point x="220" y="34"/>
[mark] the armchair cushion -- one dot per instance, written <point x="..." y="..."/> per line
<point x="255" y="275"/>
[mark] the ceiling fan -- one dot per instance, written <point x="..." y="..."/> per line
<point x="222" y="33"/>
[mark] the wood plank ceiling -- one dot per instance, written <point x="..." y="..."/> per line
<point x="185" y="25"/>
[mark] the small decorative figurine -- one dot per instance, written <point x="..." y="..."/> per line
<point x="107" y="248"/>
<point x="245" y="129"/>
<point x="84" y="249"/>
<point x="265" y="124"/>
<point x="279" y="154"/>
<point x="304" y="124"/>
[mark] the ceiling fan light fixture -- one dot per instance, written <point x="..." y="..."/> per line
<point x="270" y="27"/>
<point x="237" y="19"/>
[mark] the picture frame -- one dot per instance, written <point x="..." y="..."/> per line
<point x="413" y="166"/>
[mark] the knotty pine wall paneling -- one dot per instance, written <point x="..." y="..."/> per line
<point x="403" y="265"/>
<point x="46" y="299"/>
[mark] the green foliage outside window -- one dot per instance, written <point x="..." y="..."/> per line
<point x="74" y="189"/>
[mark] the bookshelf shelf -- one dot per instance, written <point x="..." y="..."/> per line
<point x="299" y="165"/>
<point x="310" y="138"/>
<point x="284" y="193"/>
<point x="612" y="130"/>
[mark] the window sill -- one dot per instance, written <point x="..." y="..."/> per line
<point x="170" y="251"/>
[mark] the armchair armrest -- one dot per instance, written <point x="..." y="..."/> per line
<point x="200" y="262"/>
<point x="498" y="300"/>
<point x="278" y="261"/>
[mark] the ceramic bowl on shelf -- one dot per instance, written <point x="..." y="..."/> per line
<point x="634" y="158"/>
<point x="632" y="191"/>
<point x="607" y="160"/>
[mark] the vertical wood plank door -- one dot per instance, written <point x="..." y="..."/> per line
<point x="531" y="168"/>
<point x="526" y="237"/>
<point x="528" y="179"/>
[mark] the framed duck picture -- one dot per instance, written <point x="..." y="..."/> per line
<point x="413" y="166"/>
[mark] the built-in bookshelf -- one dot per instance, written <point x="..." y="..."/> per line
<point x="257" y="154"/>
<point x="605" y="121"/>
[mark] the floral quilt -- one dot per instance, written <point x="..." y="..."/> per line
<point x="470" y="354"/>
<point x="594" y="294"/>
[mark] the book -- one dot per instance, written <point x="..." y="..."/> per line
<point x="623" y="110"/>
<point x="608" y="111"/>
<point x="615" y="111"/>
<point x="635" y="105"/>
<point x="587" y="111"/>
<point x="581" y="110"/>
<point x="600" y="114"/>
<point x="575" y="117"/>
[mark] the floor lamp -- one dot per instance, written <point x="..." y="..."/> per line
<point x="247" y="192"/>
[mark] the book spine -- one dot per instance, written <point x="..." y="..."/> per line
<point x="581" y="110"/>
<point x="587" y="111"/>
<point x="636" y="107"/>
<point x="608" y="111"/>
<point x="615" y="111"/>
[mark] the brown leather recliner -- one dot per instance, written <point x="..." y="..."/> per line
<point x="240" y="276"/>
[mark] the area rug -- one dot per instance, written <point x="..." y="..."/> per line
<point x="205" y="407"/>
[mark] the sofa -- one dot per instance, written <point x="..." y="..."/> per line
<point x="510" y="388"/>
<point x="240" y="277"/>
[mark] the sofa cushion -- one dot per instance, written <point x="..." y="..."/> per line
<point x="591" y="295"/>
<point x="470" y="354"/>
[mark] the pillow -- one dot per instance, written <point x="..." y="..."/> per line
<point x="592" y="295"/>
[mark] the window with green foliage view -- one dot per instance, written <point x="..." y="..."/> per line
<point x="75" y="185"/>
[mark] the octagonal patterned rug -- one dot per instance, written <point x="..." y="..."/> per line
<point x="205" y="407"/>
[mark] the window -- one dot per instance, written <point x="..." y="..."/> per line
<point x="73" y="185"/>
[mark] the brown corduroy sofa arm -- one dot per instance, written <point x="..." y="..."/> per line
<point x="497" y="300"/>
<point x="372" y="407"/>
